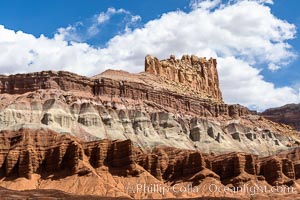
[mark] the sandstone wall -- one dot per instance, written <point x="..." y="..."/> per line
<point x="288" y="114"/>
<point x="197" y="73"/>
<point x="137" y="91"/>
<point x="27" y="152"/>
<point x="22" y="83"/>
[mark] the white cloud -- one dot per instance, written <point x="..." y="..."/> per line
<point x="105" y="16"/>
<point x="102" y="18"/>
<point x="239" y="39"/>
<point x="69" y="33"/>
<point x="204" y="4"/>
<point x="82" y="31"/>
<point x="135" y="18"/>
<point x="273" y="67"/>
<point x="265" y="1"/>
<point x="245" y="85"/>
<point x="257" y="1"/>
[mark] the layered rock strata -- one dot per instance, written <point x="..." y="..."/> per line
<point x="197" y="73"/>
<point x="103" y="86"/>
<point x="150" y="109"/>
<point x="288" y="114"/>
<point x="46" y="159"/>
<point x="22" y="83"/>
<point x="91" y="118"/>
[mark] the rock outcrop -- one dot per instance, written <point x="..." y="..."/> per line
<point x="166" y="127"/>
<point x="22" y="83"/>
<point x="288" y="114"/>
<point x="41" y="159"/>
<point x="145" y="124"/>
<point x="197" y="73"/>
<point x="150" y="109"/>
<point x="190" y="85"/>
<point x="26" y="152"/>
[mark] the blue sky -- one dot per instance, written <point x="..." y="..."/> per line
<point x="256" y="42"/>
<point x="45" y="17"/>
<point x="287" y="10"/>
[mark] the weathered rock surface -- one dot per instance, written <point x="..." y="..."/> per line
<point x="288" y="114"/>
<point x="150" y="109"/>
<point x="43" y="159"/>
<point x="147" y="126"/>
<point x="197" y="73"/>
<point x="22" y="83"/>
<point x="144" y="87"/>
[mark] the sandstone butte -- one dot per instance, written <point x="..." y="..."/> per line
<point x="73" y="137"/>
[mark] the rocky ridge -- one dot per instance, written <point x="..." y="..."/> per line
<point x="149" y="108"/>
<point x="288" y="114"/>
<point x="167" y="126"/>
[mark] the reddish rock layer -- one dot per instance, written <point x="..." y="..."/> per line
<point x="6" y="194"/>
<point x="197" y="73"/>
<point x="26" y="152"/>
<point x="22" y="83"/>
<point x="119" y="90"/>
<point x="166" y="99"/>
<point x="288" y="114"/>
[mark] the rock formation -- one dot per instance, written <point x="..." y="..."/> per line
<point x="47" y="159"/>
<point x="197" y="73"/>
<point x="288" y="114"/>
<point x="22" y="83"/>
<point x="164" y="94"/>
<point x="150" y="109"/>
<point x="26" y="152"/>
<point x="145" y="123"/>
<point x="167" y="126"/>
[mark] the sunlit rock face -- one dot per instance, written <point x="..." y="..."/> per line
<point x="175" y="103"/>
<point x="45" y="159"/>
<point x="197" y="73"/>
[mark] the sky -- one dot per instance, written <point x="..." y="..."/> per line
<point x="256" y="42"/>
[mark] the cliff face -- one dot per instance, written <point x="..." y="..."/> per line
<point x="288" y="114"/>
<point x="135" y="87"/>
<point x="167" y="126"/>
<point x="41" y="159"/>
<point x="145" y="123"/>
<point x="148" y="109"/>
<point x="197" y="73"/>
<point x="22" y="83"/>
<point x="27" y="152"/>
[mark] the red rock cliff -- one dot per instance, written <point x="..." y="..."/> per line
<point x="288" y="114"/>
<point x="197" y="73"/>
<point x="28" y="152"/>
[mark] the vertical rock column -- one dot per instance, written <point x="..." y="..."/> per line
<point x="191" y="71"/>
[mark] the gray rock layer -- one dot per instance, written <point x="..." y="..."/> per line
<point x="147" y="127"/>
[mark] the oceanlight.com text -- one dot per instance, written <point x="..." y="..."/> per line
<point x="208" y="188"/>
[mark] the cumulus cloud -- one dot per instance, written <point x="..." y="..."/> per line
<point x="245" y="85"/>
<point x="239" y="39"/>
